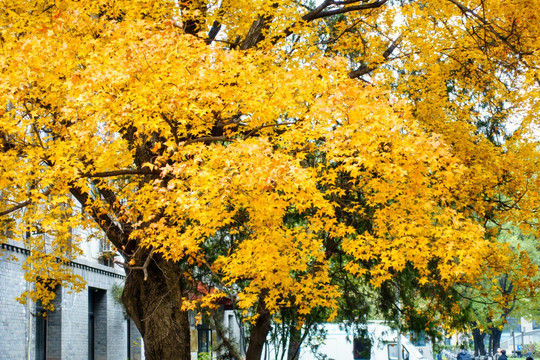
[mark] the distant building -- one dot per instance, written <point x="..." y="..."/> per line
<point x="206" y="342"/>
<point x="519" y="335"/>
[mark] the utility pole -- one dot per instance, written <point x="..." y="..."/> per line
<point x="513" y="341"/>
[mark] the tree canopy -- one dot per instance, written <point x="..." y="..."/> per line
<point x="274" y="150"/>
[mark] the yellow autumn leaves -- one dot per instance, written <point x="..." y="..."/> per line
<point x="247" y="162"/>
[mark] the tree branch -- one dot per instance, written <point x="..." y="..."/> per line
<point x="144" y="268"/>
<point x="254" y="35"/>
<point x="207" y="138"/>
<point x="255" y="130"/>
<point x="216" y="26"/>
<point x="330" y="41"/>
<point x="104" y="174"/>
<point x="320" y="13"/>
<point x="105" y="222"/>
<point x="223" y="334"/>
<point x="317" y="10"/>
<point x="488" y="26"/>
<point x="172" y="125"/>
<point x="365" y="69"/>
<point x="22" y="204"/>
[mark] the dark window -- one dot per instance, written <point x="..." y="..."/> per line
<point x="362" y="348"/>
<point x="49" y="329"/>
<point x="41" y="332"/>
<point x="97" y="324"/>
<point x="204" y="339"/>
<point x="91" y="324"/>
<point x="128" y="339"/>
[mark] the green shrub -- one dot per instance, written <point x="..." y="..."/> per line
<point x="204" y="356"/>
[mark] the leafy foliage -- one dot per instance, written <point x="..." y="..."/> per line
<point x="235" y="139"/>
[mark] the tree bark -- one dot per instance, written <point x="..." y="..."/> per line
<point x="495" y="338"/>
<point x="295" y="340"/>
<point x="479" y="348"/>
<point x="154" y="305"/>
<point x="259" y="331"/>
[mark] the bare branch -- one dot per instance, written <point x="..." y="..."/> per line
<point x="216" y="26"/>
<point x="254" y="35"/>
<point x="330" y="41"/>
<point x="122" y="264"/>
<point x="224" y="335"/>
<point x="144" y="268"/>
<point x="317" y="10"/>
<point x="342" y="10"/>
<point x="173" y="126"/>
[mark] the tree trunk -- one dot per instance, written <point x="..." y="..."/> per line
<point x="259" y="331"/>
<point x="154" y="305"/>
<point x="496" y="338"/>
<point x="479" y="348"/>
<point x="231" y="345"/>
<point x="295" y="340"/>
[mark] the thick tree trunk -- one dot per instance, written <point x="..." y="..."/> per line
<point x="155" y="306"/>
<point x="479" y="348"/>
<point x="259" y="331"/>
<point x="496" y="338"/>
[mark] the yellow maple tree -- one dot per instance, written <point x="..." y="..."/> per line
<point x="258" y="140"/>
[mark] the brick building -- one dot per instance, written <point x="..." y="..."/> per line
<point x="90" y="324"/>
<point x="87" y="325"/>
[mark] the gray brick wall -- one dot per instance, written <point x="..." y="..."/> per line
<point x="13" y="316"/>
<point x="69" y="340"/>
<point x="75" y="325"/>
